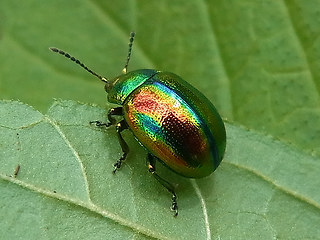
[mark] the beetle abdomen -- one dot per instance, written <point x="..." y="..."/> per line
<point x="171" y="129"/>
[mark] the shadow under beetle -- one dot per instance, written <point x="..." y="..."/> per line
<point x="175" y="122"/>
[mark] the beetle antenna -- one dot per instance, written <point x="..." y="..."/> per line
<point x="132" y="34"/>
<point x="67" y="55"/>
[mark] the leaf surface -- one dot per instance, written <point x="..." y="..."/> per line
<point x="257" y="61"/>
<point x="65" y="186"/>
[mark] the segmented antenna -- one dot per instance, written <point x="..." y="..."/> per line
<point x="132" y="34"/>
<point x="67" y="55"/>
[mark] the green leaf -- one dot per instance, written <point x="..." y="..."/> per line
<point x="263" y="189"/>
<point x="257" y="61"/>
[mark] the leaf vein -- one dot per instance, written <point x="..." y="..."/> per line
<point x="222" y="60"/>
<point x="86" y="205"/>
<point x="74" y="152"/>
<point x="278" y="186"/>
<point x="204" y="208"/>
<point x="303" y="48"/>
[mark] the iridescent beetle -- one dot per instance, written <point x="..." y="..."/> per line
<point x="175" y="122"/>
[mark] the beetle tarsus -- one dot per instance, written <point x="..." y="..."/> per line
<point x="100" y="124"/>
<point x="118" y="164"/>
<point x="174" y="206"/>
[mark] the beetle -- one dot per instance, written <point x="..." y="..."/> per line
<point x="175" y="122"/>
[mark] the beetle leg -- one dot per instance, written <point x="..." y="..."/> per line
<point x="112" y="112"/>
<point x="122" y="125"/>
<point x="151" y="161"/>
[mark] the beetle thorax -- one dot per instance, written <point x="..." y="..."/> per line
<point x="122" y="86"/>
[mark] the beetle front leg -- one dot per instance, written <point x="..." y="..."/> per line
<point x="122" y="125"/>
<point x="112" y="112"/>
<point x="151" y="160"/>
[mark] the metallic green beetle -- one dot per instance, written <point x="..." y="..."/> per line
<point x="175" y="122"/>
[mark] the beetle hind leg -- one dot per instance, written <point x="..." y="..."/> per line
<point x="151" y="160"/>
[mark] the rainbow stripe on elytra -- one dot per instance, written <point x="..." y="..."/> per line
<point x="164" y="122"/>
